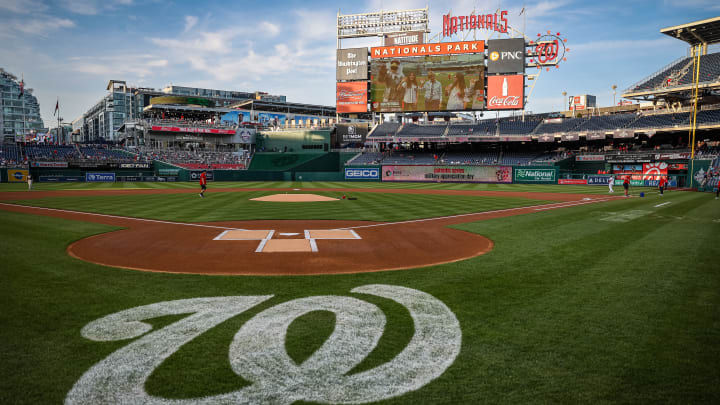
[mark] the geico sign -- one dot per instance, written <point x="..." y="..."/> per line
<point x="362" y="173"/>
<point x="509" y="101"/>
<point x="495" y="56"/>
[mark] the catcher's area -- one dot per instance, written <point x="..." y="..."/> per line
<point x="292" y="247"/>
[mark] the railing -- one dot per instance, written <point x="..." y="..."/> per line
<point x="651" y="76"/>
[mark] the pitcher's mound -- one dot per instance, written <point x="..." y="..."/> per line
<point x="294" y="198"/>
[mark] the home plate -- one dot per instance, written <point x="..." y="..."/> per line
<point x="287" y="245"/>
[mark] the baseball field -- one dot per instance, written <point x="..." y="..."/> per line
<point x="385" y="293"/>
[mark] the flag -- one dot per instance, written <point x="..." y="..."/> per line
<point x="22" y="88"/>
<point x="57" y="107"/>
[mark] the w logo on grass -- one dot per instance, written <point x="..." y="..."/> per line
<point x="258" y="353"/>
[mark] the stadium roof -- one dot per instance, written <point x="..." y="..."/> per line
<point x="697" y="32"/>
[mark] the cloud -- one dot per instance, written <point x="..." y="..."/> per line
<point x="602" y="47"/>
<point x="190" y="22"/>
<point x="40" y="26"/>
<point x="269" y="29"/>
<point x="23" y="6"/>
<point x="133" y="66"/>
<point x="92" y="7"/>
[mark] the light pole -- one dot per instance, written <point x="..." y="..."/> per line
<point x="562" y="104"/>
<point x="614" y="86"/>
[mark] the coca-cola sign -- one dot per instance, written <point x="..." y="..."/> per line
<point x="506" y="92"/>
<point x="509" y="101"/>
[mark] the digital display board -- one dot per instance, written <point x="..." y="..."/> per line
<point x="429" y="83"/>
<point x="351" y="97"/>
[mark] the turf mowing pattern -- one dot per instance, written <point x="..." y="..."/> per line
<point x="610" y="302"/>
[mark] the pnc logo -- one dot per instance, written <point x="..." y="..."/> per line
<point x="494" y="56"/>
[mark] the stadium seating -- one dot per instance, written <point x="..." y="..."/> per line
<point x="386" y="129"/>
<point x="470" y="158"/>
<point x="680" y="73"/>
<point x="368" y="158"/>
<point x="566" y="125"/>
<point x="415" y="130"/>
<point x="605" y="122"/>
<point x="660" y="120"/>
<point x="42" y="152"/>
<point x="517" y="127"/>
<point x="10" y="156"/>
<point x="195" y="159"/>
<point x="481" y="128"/>
<point x="410" y="158"/>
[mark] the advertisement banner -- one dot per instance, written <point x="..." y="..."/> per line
<point x="598" y="180"/>
<point x="195" y="175"/>
<point x="654" y="171"/>
<point x="17" y="175"/>
<point x="352" y="64"/>
<point x="352" y="132"/>
<point x="506" y="55"/>
<point x="49" y="164"/>
<point x="193" y="130"/>
<point x="506" y="92"/>
<point x="569" y="137"/>
<point x="534" y="175"/>
<point x="168" y="172"/>
<point x="134" y="165"/>
<point x="546" y="138"/>
<point x="595" y="136"/>
<point x="405" y="38"/>
<point x="432" y="83"/>
<point x="99" y="177"/>
<point x="572" y="181"/>
<point x="590" y="158"/>
<point x="271" y="119"/>
<point x="359" y="173"/>
<point x="444" y="48"/>
<point x="58" y="179"/>
<point x="351" y="97"/>
<point x="451" y="174"/>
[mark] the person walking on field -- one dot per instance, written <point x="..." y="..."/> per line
<point x="611" y="181"/>
<point x="626" y="186"/>
<point x="203" y="184"/>
<point x="661" y="185"/>
<point x="29" y="179"/>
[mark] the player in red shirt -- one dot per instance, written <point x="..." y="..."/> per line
<point x="203" y="184"/>
<point x="626" y="185"/>
<point x="661" y="185"/>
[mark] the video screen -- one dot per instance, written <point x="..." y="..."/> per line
<point x="429" y="83"/>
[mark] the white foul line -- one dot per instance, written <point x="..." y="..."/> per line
<point x="537" y="208"/>
<point x="157" y="221"/>
<point x="665" y="203"/>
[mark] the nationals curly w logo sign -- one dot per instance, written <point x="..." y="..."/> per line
<point x="258" y="355"/>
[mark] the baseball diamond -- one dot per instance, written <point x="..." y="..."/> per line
<point x="490" y="206"/>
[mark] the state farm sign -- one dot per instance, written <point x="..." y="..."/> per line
<point x="506" y="92"/>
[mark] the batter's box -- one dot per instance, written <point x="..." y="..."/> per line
<point x="332" y="234"/>
<point x="244" y="234"/>
<point x="287" y="246"/>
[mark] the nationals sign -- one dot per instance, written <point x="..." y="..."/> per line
<point x="444" y="48"/>
<point x="506" y="92"/>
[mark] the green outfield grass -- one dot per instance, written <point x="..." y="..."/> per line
<point x="615" y="302"/>
<point x="538" y="188"/>
<point x="223" y="206"/>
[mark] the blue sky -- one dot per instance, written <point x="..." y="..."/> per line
<point x="71" y="48"/>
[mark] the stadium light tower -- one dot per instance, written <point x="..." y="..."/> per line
<point x="614" y="87"/>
